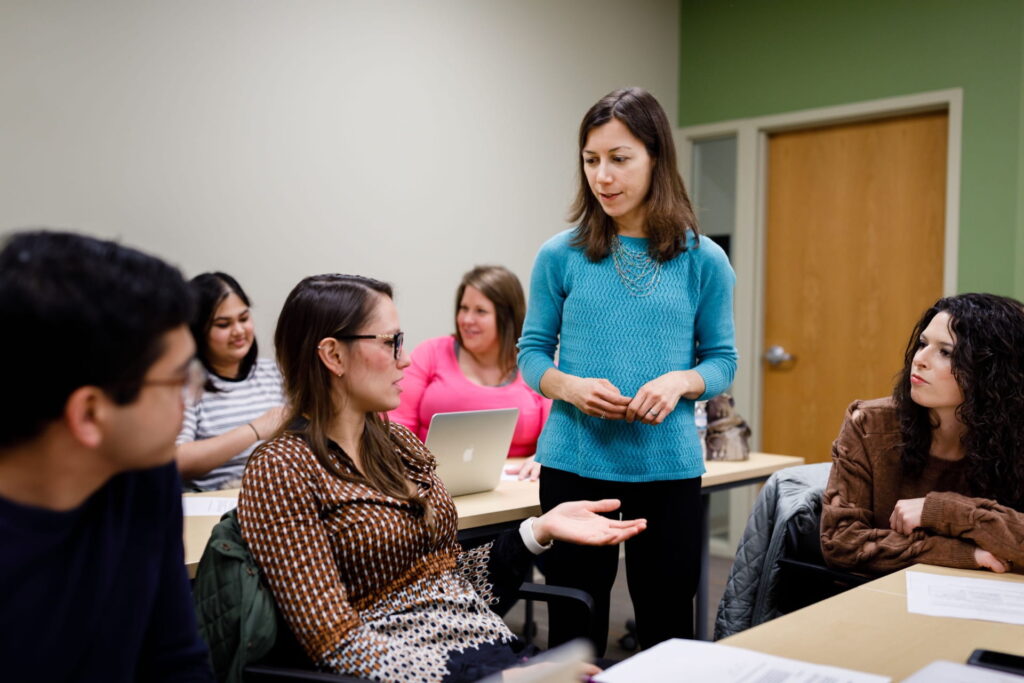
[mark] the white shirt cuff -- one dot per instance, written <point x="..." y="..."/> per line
<point x="526" y="532"/>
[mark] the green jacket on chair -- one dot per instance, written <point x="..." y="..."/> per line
<point x="235" y="610"/>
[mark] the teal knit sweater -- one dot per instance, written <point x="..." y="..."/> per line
<point x="601" y="330"/>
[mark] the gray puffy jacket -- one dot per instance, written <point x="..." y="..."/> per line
<point x="750" y="597"/>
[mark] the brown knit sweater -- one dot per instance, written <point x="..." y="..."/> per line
<point x="866" y="482"/>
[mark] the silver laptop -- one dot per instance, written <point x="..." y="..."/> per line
<point x="471" y="448"/>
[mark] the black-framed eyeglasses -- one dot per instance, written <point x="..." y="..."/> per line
<point x="395" y="340"/>
<point x="191" y="384"/>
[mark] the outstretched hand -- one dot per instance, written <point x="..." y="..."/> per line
<point x="580" y="522"/>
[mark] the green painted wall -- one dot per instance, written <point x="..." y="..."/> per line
<point x="741" y="58"/>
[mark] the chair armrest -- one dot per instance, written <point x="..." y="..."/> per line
<point x="258" y="673"/>
<point x="839" y="576"/>
<point x="546" y="593"/>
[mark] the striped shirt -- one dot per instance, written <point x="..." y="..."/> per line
<point x="236" y="403"/>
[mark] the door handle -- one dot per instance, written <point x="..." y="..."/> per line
<point x="777" y="355"/>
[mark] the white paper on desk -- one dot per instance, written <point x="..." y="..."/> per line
<point x="207" y="506"/>
<point x="942" y="671"/>
<point x="965" y="598"/>
<point x="694" y="660"/>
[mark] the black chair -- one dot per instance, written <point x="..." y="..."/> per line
<point x="779" y="565"/>
<point x="287" y="661"/>
<point x="804" y="578"/>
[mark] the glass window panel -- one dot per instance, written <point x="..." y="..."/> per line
<point x="714" y="186"/>
<point x="714" y="199"/>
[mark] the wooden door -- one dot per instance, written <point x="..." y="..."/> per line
<point x="854" y="239"/>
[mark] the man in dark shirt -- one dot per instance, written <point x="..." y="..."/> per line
<point x="97" y="367"/>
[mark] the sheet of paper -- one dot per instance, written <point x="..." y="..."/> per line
<point x="948" y="672"/>
<point x="965" y="598"/>
<point x="694" y="660"/>
<point x="207" y="506"/>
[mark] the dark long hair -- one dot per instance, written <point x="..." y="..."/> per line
<point x="328" y="306"/>
<point x="209" y="290"/>
<point x="988" y="365"/>
<point x="669" y="213"/>
<point x="501" y="286"/>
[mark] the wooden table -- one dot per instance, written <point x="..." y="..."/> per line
<point x="869" y="629"/>
<point x="513" y="501"/>
<point x="726" y="475"/>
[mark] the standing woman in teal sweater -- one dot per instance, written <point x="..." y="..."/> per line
<point x="640" y="310"/>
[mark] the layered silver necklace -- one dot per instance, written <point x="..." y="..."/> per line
<point x="637" y="270"/>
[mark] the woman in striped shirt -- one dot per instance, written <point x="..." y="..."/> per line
<point x="241" y="403"/>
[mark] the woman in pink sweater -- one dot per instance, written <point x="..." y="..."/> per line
<point x="476" y="368"/>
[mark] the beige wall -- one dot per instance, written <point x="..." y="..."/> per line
<point x="276" y="139"/>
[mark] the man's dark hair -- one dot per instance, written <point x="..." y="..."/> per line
<point x="79" y="311"/>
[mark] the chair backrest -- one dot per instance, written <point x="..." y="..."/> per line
<point x="804" y="578"/>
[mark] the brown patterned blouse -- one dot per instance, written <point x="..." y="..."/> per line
<point x="361" y="581"/>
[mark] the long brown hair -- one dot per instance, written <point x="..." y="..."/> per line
<point x="326" y="306"/>
<point x="669" y="213"/>
<point x="501" y="286"/>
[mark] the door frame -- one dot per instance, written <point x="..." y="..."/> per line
<point x="748" y="238"/>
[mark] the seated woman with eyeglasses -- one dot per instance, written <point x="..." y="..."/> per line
<point x="935" y="474"/>
<point x="355" y="533"/>
<point x="241" y="400"/>
<point x="475" y="369"/>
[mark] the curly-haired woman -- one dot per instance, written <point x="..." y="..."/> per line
<point x="935" y="474"/>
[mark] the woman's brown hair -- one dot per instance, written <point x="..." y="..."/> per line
<point x="669" y="213"/>
<point x="323" y="306"/>
<point x="501" y="286"/>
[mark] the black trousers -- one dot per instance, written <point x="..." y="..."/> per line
<point x="662" y="562"/>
